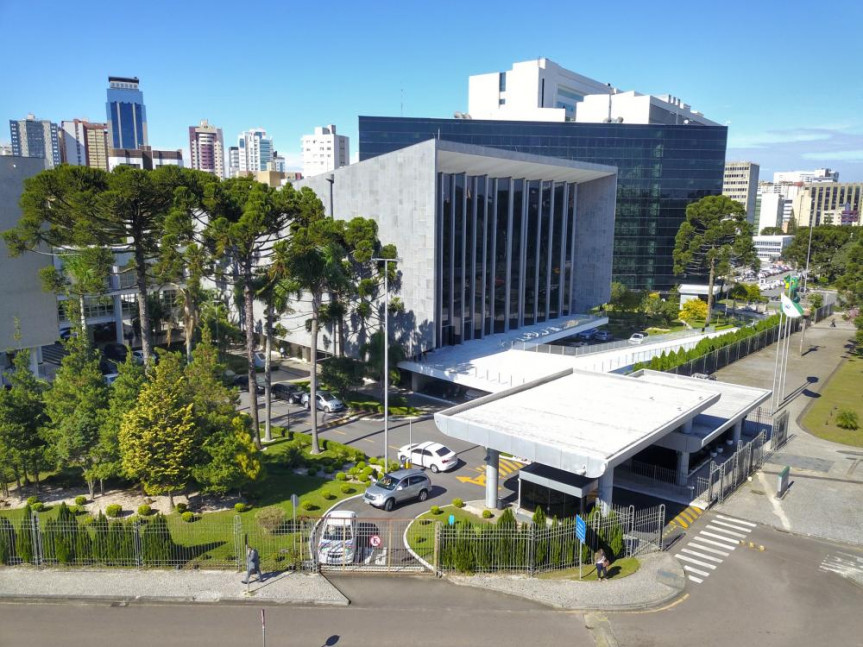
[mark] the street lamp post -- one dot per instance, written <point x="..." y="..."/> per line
<point x="386" y="262"/>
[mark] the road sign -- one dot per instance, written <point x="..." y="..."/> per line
<point x="452" y="520"/>
<point x="374" y="541"/>
<point x="580" y="528"/>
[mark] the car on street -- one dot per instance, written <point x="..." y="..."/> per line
<point x="338" y="541"/>
<point x="115" y="351"/>
<point x="398" y="487"/>
<point x="637" y="338"/>
<point x="437" y="457"/>
<point x="260" y="360"/>
<point x="586" y="335"/>
<point x="288" y="392"/>
<point x="603" y="335"/>
<point x="138" y="356"/>
<point x="242" y="382"/>
<point x="326" y="401"/>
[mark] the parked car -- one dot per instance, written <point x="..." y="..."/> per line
<point x="242" y="382"/>
<point x="703" y="376"/>
<point x="110" y="378"/>
<point x="586" y="335"/>
<point x="437" y="457"/>
<point x="115" y="351"/>
<point x="338" y="541"/>
<point x="260" y="360"/>
<point x="326" y="401"/>
<point x="397" y="487"/>
<point x="603" y="335"/>
<point x="138" y="356"/>
<point x="637" y="338"/>
<point x="287" y="392"/>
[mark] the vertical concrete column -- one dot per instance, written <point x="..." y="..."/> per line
<point x="687" y="427"/>
<point x="118" y="319"/>
<point x="603" y="495"/>
<point x="738" y="431"/>
<point x="34" y="361"/>
<point x="682" y="467"/>
<point x="492" y="465"/>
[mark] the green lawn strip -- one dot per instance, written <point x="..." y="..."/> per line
<point x="842" y="391"/>
<point x="619" y="568"/>
<point x="365" y="402"/>
<point x="420" y="535"/>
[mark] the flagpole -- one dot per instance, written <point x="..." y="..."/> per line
<point x="776" y="362"/>
<point x="784" y="375"/>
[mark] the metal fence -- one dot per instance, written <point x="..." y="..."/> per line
<point x="576" y="351"/>
<point x="725" y="477"/>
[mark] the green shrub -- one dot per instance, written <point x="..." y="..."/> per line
<point x="374" y="460"/>
<point x="329" y="496"/>
<point x="88" y="520"/>
<point x="188" y="516"/>
<point x="241" y="507"/>
<point x="341" y="476"/>
<point x="31" y="500"/>
<point x="79" y="509"/>
<point x="435" y="509"/>
<point x="270" y="518"/>
<point x="365" y="480"/>
<point x="308" y="506"/>
<point x="353" y="471"/>
<point x="347" y="489"/>
<point x="80" y="500"/>
<point x="458" y="503"/>
<point x="24" y="544"/>
<point x="144" y="510"/>
<point x="366" y="471"/>
<point x="156" y="543"/>
<point x="361" y="465"/>
<point x="181" y="507"/>
<point x="37" y="506"/>
<point x="847" y="419"/>
<point x="114" y="510"/>
<point x="487" y="514"/>
<point x="328" y="469"/>
<point x="312" y="471"/>
<point x="7" y="541"/>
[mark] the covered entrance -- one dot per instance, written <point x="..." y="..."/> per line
<point x="560" y="494"/>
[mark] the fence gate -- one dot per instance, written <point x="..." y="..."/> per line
<point x="779" y="435"/>
<point x="377" y="545"/>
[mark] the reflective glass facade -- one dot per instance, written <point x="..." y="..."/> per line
<point x="127" y="118"/>
<point x="661" y="169"/>
<point x="505" y="254"/>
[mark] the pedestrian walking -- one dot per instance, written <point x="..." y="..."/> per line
<point x="253" y="565"/>
<point x="601" y="563"/>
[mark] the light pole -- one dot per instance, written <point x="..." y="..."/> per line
<point x="386" y="262"/>
<point x="808" y="252"/>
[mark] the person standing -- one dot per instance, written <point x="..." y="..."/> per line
<point x="601" y="563"/>
<point x="253" y="565"/>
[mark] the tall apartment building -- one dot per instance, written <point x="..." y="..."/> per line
<point x="127" y="117"/>
<point x="278" y="164"/>
<point x="254" y="151"/>
<point x="740" y="183"/>
<point x="33" y="137"/>
<point x="324" y="151"/>
<point x="233" y="161"/>
<point x="144" y="158"/>
<point x="207" y="148"/>
<point x="84" y="143"/>
<point x="829" y="203"/>
<point x="771" y="211"/>
<point x="541" y="90"/>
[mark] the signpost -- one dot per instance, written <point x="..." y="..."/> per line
<point x="264" y="628"/>
<point x="375" y="541"/>
<point x="295" y="501"/>
<point x="782" y="483"/>
<point x="581" y="533"/>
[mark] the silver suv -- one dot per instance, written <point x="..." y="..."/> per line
<point x="402" y="485"/>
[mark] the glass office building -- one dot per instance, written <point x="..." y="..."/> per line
<point x="127" y="117"/>
<point x="661" y="169"/>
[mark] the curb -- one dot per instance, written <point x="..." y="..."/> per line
<point x="154" y="600"/>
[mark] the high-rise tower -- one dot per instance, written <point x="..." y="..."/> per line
<point x="127" y="117"/>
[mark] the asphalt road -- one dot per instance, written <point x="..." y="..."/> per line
<point x="384" y="610"/>
<point x="784" y="596"/>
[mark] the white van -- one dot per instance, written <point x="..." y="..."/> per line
<point x="338" y="541"/>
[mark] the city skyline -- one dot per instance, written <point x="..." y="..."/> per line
<point x="387" y="62"/>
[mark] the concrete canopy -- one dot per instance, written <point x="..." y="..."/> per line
<point x="578" y="421"/>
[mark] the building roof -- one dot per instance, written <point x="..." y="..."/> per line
<point x="579" y="421"/>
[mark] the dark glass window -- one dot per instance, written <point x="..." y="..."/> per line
<point x="516" y="278"/>
<point x="458" y="259"/>
<point x="479" y="246"/>
<point x="446" y="255"/>
<point x="531" y="258"/>
<point x="558" y="245"/>
<point x="544" y="252"/>
<point x="501" y="254"/>
<point x="571" y="216"/>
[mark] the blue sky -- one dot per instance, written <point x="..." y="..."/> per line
<point x="784" y="76"/>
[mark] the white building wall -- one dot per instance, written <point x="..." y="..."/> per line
<point x="74" y="142"/>
<point x="772" y="208"/>
<point x="324" y="151"/>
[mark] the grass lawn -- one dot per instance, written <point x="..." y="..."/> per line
<point x="842" y="391"/>
<point x="420" y="535"/>
<point x="619" y="568"/>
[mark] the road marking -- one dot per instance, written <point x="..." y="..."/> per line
<point x="740" y="521"/>
<point x="701" y="555"/>
<point x="729" y="541"/>
<point x="725" y="524"/>
<point x="689" y="569"/>
<point x="695" y="579"/>
<point x="714" y="543"/>
<point x="368" y="440"/>
<point x="343" y="433"/>
<point x="712" y="550"/>
<point x="479" y="480"/>
<point x="684" y="558"/>
<point x="738" y="535"/>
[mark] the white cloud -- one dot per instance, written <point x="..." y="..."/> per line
<point x="845" y="156"/>
<point x="770" y="138"/>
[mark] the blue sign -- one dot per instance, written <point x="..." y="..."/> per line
<point x="580" y="528"/>
<point x="452" y="519"/>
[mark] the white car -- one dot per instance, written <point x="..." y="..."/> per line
<point x="326" y="402"/>
<point x="637" y="338"/>
<point x="338" y="542"/>
<point x="437" y="457"/>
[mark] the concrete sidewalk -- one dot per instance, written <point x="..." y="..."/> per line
<point x="659" y="580"/>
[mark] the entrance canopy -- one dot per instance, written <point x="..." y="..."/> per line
<point x="578" y="421"/>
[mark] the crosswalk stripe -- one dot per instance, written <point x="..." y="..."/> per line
<point x="695" y="544"/>
<point x="729" y="543"/>
<point x="701" y="555"/>
<point x="740" y="521"/>
<point x="725" y="534"/>
<point x="733" y="527"/>
<point x="695" y="561"/>
<point x="695" y="579"/>
<point x="694" y="570"/>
